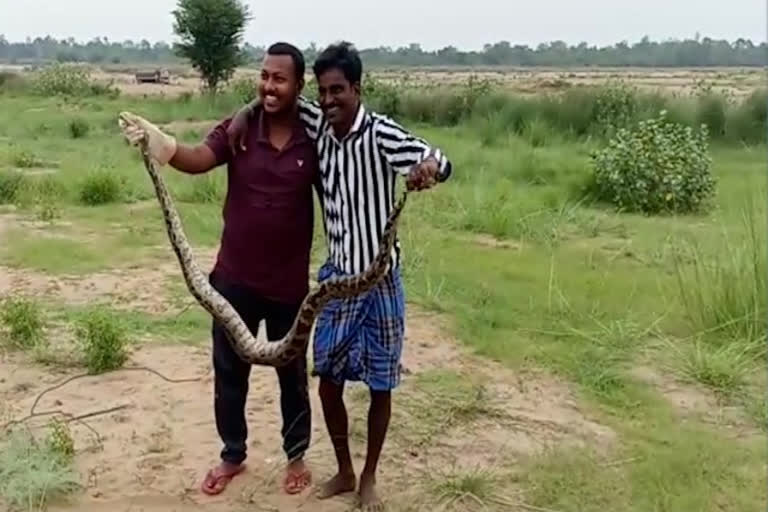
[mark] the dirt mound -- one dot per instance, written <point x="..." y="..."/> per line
<point x="451" y="409"/>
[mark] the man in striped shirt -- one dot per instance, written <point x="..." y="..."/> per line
<point x="358" y="339"/>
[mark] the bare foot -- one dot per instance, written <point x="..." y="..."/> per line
<point x="297" y="477"/>
<point x="369" y="500"/>
<point x="339" y="484"/>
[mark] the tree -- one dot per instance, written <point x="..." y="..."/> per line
<point x="211" y="32"/>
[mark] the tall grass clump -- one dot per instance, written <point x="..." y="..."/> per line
<point x="103" y="342"/>
<point x="33" y="473"/>
<point x="723" y="367"/>
<point x="579" y="111"/>
<point x="25" y="159"/>
<point x="712" y="111"/>
<point x="208" y="188"/>
<point x="23" y="318"/>
<point x="11" y="183"/>
<point x="78" y="128"/>
<point x="723" y="291"/>
<point x="747" y="120"/>
<point x="12" y="82"/>
<point x="100" y="187"/>
<point x="615" y="108"/>
<point x="382" y="97"/>
<point x="245" y="89"/>
<point x="657" y="166"/>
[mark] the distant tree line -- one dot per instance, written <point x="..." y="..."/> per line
<point x="697" y="52"/>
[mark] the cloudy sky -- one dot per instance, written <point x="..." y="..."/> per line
<point x="467" y="25"/>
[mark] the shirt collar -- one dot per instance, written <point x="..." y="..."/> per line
<point x="262" y="130"/>
<point x="359" y="118"/>
<point x="357" y="125"/>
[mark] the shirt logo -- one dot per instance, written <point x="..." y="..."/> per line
<point x="300" y="162"/>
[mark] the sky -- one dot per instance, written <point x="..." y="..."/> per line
<point x="434" y="24"/>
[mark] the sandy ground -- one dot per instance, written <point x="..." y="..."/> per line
<point x="152" y="454"/>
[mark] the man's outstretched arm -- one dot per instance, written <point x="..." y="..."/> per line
<point x="421" y="163"/>
<point x="164" y="148"/>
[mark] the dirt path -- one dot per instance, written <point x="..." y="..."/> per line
<point x="154" y="453"/>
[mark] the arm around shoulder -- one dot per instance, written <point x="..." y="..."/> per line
<point x="311" y="116"/>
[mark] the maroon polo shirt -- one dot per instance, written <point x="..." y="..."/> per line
<point x="268" y="211"/>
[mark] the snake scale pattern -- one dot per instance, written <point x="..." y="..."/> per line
<point x="248" y="348"/>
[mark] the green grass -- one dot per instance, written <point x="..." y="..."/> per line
<point x="23" y="319"/>
<point x="568" y="286"/>
<point x="440" y="400"/>
<point x="682" y="469"/>
<point x="190" y="326"/>
<point x="102" y="339"/>
<point x="34" y="473"/>
<point x="474" y="489"/>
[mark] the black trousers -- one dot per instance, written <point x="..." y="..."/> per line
<point x="232" y="375"/>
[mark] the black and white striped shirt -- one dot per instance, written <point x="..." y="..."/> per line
<point x="358" y="177"/>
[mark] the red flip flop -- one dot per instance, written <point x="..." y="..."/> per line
<point x="216" y="483"/>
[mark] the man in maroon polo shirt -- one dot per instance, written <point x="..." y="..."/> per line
<point x="262" y="266"/>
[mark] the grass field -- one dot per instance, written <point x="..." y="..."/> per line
<point x="560" y="353"/>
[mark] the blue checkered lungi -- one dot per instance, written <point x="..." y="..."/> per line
<point x="361" y="338"/>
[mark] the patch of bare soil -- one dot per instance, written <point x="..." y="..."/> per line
<point x="133" y="288"/>
<point x="493" y="242"/>
<point x="153" y="454"/>
<point x="695" y="401"/>
<point x="138" y="287"/>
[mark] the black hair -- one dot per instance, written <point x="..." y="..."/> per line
<point x="342" y="56"/>
<point x="294" y="53"/>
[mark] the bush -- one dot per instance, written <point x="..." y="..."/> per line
<point x="102" y="340"/>
<point x="61" y="79"/>
<point x="615" y="107"/>
<point x="384" y="98"/>
<point x="71" y="81"/>
<point x="24" y="159"/>
<point x="33" y="473"/>
<point x="11" y="81"/>
<point x="659" y="166"/>
<point x="79" y="128"/>
<point x="207" y="188"/>
<point x="100" y="187"/>
<point x="245" y="89"/>
<point x="24" y="320"/>
<point x="59" y="441"/>
<point x="10" y="184"/>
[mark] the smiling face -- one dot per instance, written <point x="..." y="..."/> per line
<point x="339" y="99"/>
<point x="279" y="88"/>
